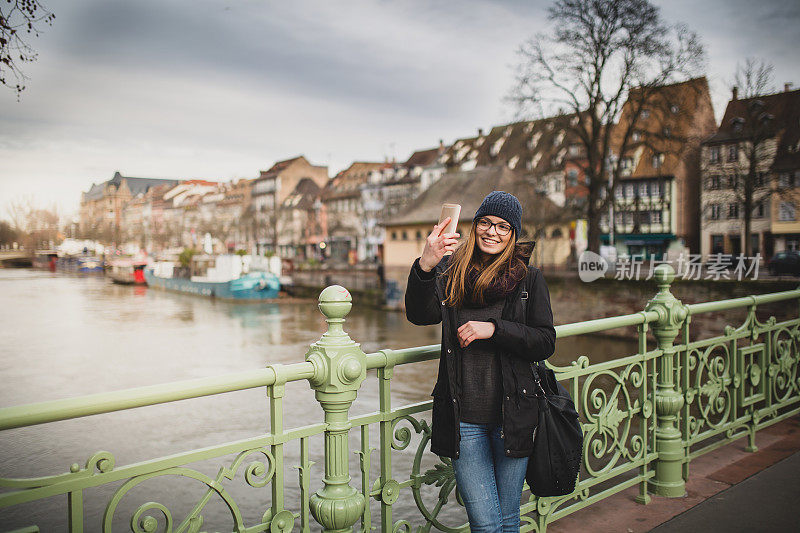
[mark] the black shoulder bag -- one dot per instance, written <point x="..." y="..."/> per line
<point x="558" y="440"/>
<point x="554" y="464"/>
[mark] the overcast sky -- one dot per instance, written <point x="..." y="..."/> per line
<point x="222" y="89"/>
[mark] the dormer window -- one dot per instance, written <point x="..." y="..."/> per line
<point x="674" y="108"/>
<point x="559" y="138"/>
<point x="636" y="136"/>
<point x="534" y="140"/>
<point x="512" y="163"/>
<point x="658" y="160"/>
<point x="528" y="128"/>
<point x="645" y="113"/>
<point x="534" y="161"/>
<point x="508" y="131"/>
<point x="496" y="146"/>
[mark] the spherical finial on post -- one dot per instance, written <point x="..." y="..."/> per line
<point x="664" y="274"/>
<point x="335" y="302"/>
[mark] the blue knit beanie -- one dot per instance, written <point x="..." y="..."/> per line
<point x="504" y="205"/>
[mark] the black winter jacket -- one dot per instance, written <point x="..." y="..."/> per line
<point x="523" y="334"/>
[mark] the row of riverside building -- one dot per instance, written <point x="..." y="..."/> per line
<point x="679" y="191"/>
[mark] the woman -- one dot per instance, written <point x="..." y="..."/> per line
<point x="496" y="321"/>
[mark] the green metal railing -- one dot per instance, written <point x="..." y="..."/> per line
<point x="645" y="417"/>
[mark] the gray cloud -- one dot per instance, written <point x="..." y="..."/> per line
<point x="186" y="88"/>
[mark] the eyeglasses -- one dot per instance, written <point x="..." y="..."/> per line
<point x="502" y="228"/>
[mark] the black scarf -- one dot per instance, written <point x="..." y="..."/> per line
<point x="502" y="285"/>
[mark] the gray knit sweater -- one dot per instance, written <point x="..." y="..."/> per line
<point x="480" y="370"/>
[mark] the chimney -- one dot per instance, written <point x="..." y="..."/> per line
<point x="735" y="92"/>
<point x="787" y="86"/>
<point x="480" y="132"/>
<point x="441" y="146"/>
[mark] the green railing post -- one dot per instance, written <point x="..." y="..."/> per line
<point x="339" y="368"/>
<point x="668" y="480"/>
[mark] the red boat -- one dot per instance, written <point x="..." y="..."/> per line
<point x="128" y="272"/>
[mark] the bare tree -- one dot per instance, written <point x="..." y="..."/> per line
<point x="19" y="20"/>
<point x="739" y="177"/>
<point x="34" y="226"/>
<point x="599" y="55"/>
<point x="753" y="78"/>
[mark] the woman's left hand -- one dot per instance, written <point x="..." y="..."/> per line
<point x="474" y="330"/>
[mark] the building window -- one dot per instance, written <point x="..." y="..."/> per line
<point x="658" y="160"/>
<point x="572" y="178"/>
<point x="626" y="166"/>
<point x="733" y="210"/>
<point x="404" y="236"/>
<point x="733" y="153"/>
<point x="717" y="244"/>
<point x="628" y="218"/>
<point x="713" y="154"/>
<point x="786" y="212"/>
<point x="712" y="183"/>
<point x="655" y="190"/>
<point x="534" y="140"/>
<point x="715" y="212"/>
<point x="644" y="190"/>
<point x="556" y="233"/>
<point x="394" y="235"/>
<point x="644" y="218"/>
<point x="629" y="190"/>
<point x="758" y="211"/>
<point x="418" y="235"/>
<point x="655" y="217"/>
<point x="784" y="180"/>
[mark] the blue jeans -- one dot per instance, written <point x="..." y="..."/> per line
<point x="490" y="483"/>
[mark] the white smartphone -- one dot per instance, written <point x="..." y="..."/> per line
<point x="452" y="211"/>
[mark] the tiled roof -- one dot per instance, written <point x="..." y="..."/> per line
<point x="536" y="145"/>
<point x="423" y="158"/>
<point x="468" y="188"/>
<point x="279" y="167"/>
<point x="784" y="109"/>
<point x="347" y="183"/>
<point x="678" y="115"/>
<point x="136" y="185"/>
<point x="303" y="195"/>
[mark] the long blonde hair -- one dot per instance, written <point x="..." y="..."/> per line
<point x="467" y="257"/>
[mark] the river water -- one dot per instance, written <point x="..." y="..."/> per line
<point x="63" y="336"/>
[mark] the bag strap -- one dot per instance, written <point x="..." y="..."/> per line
<point x="524" y="295"/>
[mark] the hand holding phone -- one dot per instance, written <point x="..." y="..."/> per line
<point x="452" y="211"/>
<point x="443" y="239"/>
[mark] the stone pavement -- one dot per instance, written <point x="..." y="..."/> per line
<point x="728" y="490"/>
<point x="766" y="501"/>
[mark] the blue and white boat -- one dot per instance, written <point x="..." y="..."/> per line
<point x="226" y="280"/>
